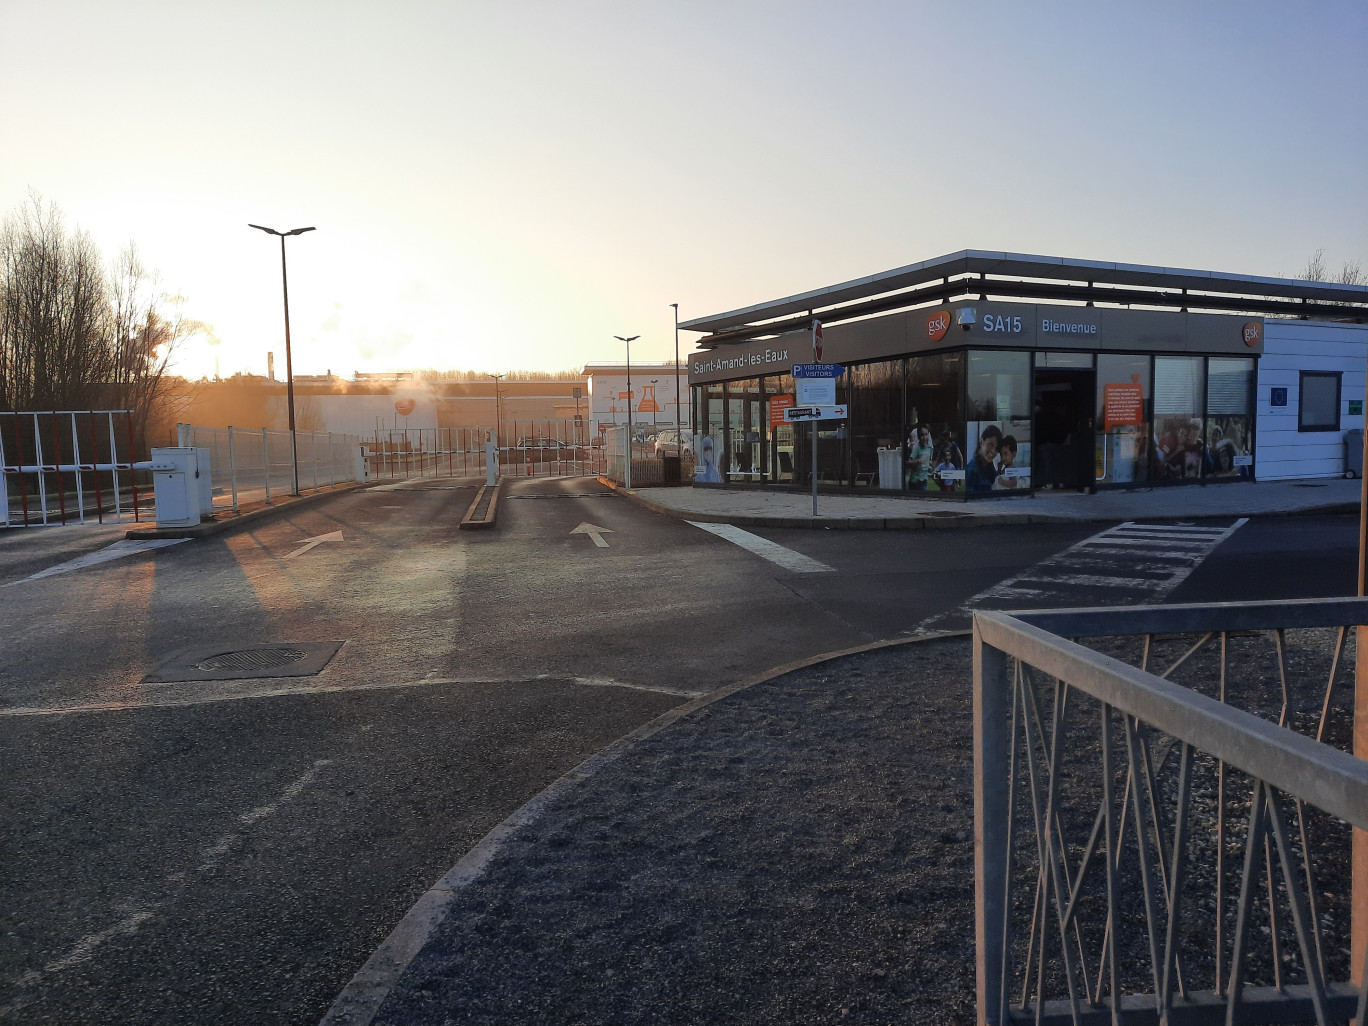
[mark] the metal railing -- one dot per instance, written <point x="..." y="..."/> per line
<point x="648" y="469"/>
<point x="58" y="466"/>
<point x="1112" y="803"/>
<point x="251" y="465"/>
<point x="545" y="448"/>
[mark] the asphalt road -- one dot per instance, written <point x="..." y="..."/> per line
<point x="232" y="851"/>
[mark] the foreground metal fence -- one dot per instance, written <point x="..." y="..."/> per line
<point x="61" y="466"/>
<point x="250" y="465"/>
<point x="1151" y="849"/>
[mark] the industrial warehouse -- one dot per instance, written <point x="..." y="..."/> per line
<point x="985" y="374"/>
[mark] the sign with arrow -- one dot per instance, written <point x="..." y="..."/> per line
<point x="311" y="542"/>
<point x="794" y="413"/>
<point x="595" y="533"/>
<point x="817" y="370"/>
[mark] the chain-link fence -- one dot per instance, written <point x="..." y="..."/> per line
<point x="251" y="465"/>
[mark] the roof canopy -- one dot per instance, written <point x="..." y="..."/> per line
<point x="1023" y="276"/>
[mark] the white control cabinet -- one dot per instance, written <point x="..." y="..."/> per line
<point x="176" y="486"/>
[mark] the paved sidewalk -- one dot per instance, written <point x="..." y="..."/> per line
<point x="754" y="507"/>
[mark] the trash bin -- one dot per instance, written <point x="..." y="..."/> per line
<point x="672" y="473"/>
<point x="1353" y="453"/>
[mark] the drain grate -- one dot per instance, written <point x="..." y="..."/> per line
<point x="245" y="662"/>
<point x="253" y="659"/>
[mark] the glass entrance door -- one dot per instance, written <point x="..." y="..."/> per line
<point x="1063" y="445"/>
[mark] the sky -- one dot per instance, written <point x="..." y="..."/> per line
<point x="507" y="184"/>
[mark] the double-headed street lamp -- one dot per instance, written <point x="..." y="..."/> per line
<point x="627" y="481"/>
<point x="289" y="365"/>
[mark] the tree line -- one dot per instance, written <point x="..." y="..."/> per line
<point x="77" y="333"/>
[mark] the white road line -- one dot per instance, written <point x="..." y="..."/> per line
<point x="84" y="949"/>
<point x="118" y="550"/>
<point x="766" y="549"/>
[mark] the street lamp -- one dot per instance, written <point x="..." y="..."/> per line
<point x="289" y="365"/>
<point x="679" y="419"/>
<point x="655" y="405"/>
<point x="498" y="418"/>
<point x="627" y="482"/>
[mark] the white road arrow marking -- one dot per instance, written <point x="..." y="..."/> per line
<point x="594" y="532"/>
<point x="120" y="549"/>
<point x="319" y="540"/>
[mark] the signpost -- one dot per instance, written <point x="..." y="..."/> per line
<point x="815" y="385"/>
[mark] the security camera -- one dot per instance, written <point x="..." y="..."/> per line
<point x="966" y="317"/>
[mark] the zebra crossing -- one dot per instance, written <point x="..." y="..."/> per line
<point x="1129" y="564"/>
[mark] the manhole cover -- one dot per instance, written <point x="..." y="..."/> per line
<point x="255" y="659"/>
<point x="227" y="661"/>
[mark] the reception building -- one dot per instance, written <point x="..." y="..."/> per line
<point x="994" y="374"/>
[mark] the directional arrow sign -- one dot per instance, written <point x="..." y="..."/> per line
<point x="319" y="540"/>
<point x="594" y="532"/>
<point x="815" y="413"/>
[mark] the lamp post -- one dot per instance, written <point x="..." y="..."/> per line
<point x="289" y="364"/>
<point x="679" y="419"/>
<point x="627" y="481"/>
<point x="498" y="419"/>
<point x="655" y="408"/>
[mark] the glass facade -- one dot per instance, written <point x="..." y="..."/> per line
<point x="876" y="403"/>
<point x="1230" y="417"/>
<point x="1179" y="401"/>
<point x="981" y="422"/>
<point x="935" y="409"/>
<point x="999" y="423"/>
<point x="1123" y="391"/>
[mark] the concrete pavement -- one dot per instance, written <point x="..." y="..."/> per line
<point x="754" y="507"/>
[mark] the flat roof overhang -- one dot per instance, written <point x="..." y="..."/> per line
<point x="1023" y="276"/>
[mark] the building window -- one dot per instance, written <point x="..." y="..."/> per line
<point x="1319" y="407"/>
<point x="1230" y="421"/>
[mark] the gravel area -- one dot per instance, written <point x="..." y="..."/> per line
<point x="799" y="851"/>
<point x="802" y="850"/>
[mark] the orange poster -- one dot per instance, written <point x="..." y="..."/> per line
<point x="1122" y="404"/>
<point x="777" y="405"/>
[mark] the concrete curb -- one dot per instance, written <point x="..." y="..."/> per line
<point x="233" y="523"/>
<point x="491" y="514"/>
<point x="941" y="521"/>
<point x="361" y="999"/>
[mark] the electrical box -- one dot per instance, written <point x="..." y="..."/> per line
<point x="175" y="486"/>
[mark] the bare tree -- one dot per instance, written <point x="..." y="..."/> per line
<point x="52" y="311"/>
<point x="73" y="335"/>
<point x="1317" y="270"/>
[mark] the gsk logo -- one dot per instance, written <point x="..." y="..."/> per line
<point x="937" y="325"/>
<point x="1252" y="333"/>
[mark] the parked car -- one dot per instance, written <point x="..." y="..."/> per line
<point x="667" y="443"/>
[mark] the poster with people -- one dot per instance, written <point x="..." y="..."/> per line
<point x="947" y="460"/>
<point x="1001" y="461"/>
<point x="707" y="471"/>
<point x="1178" y="448"/>
<point x="1228" y="450"/>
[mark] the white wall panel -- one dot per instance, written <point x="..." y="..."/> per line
<point x="1290" y="347"/>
